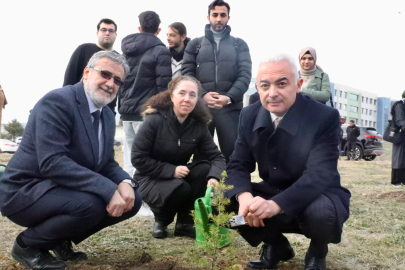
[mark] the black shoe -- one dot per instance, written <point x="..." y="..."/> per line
<point x="34" y="258"/>
<point x="184" y="230"/>
<point x="271" y="255"/>
<point x="64" y="251"/>
<point x="159" y="230"/>
<point x="312" y="263"/>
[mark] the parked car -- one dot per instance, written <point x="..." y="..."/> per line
<point x="7" y="146"/>
<point x="369" y="144"/>
<point x="18" y="140"/>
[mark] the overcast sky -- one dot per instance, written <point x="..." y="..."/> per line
<point x="360" y="44"/>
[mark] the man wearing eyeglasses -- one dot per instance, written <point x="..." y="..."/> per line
<point x="106" y="35"/>
<point x="63" y="183"/>
<point x="222" y="64"/>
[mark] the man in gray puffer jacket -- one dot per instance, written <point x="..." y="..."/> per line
<point x="150" y="72"/>
<point x="222" y="64"/>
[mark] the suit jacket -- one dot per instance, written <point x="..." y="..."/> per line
<point x="60" y="149"/>
<point x="297" y="161"/>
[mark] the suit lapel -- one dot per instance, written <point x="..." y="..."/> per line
<point x="263" y="123"/>
<point x="84" y="111"/>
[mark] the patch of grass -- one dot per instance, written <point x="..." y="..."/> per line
<point x="373" y="237"/>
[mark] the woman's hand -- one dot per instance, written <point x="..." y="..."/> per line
<point x="181" y="172"/>
<point x="212" y="182"/>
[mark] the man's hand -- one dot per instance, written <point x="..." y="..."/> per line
<point x="121" y="123"/>
<point x="222" y="100"/>
<point x="211" y="99"/>
<point x="116" y="206"/>
<point x="128" y="194"/>
<point x="244" y="200"/>
<point x="181" y="172"/>
<point x="212" y="182"/>
<point x="262" y="208"/>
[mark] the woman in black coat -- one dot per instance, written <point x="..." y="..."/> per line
<point x="175" y="126"/>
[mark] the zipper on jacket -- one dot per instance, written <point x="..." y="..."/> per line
<point x="216" y="65"/>
<point x="179" y="142"/>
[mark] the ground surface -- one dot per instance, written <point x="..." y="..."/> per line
<point x="373" y="237"/>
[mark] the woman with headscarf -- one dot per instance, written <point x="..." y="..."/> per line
<point x="175" y="127"/>
<point x="316" y="83"/>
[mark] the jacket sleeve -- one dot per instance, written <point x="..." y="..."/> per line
<point x="241" y="164"/>
<point x="357" y="132"/>
<point x="209" y="150"/>
<point x="163" y="70"/>
<point x="189" y="59"/>
<point x="322" y="94"/>
<point x="400" y="116"/>
<point x="321" y="169"/>
<point x="243" y="74"/>
<point x="142" y="148"/>
<point x="74" y="70"/>
<point x="52" y="138"/>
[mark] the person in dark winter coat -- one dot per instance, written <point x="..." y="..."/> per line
<point x="175" y="126"/>
<point x="398" y="149"/>
<point x="352" y="132"/>
<point x="177" y="40"/>
<point x="150" y="72"/>
<point x="106" y="35"/>
<point x="292" y="139"/>
<point x="222" y="64"/>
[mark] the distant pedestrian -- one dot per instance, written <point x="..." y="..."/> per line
<point x="398" y="150"/>
<point x="352" y="132"/>
<point x="106" y="35"/>
<point x="316" y="82"/>
<point x="150" y="64"/>
<point x="3" y="103"/>
<point x="177" y="40"/>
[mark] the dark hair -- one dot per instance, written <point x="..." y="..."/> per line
<point x="106" y="21"/>
<point x="218" y="3"/>
<point x="179" y="27"/>
<point x="149" y="22"/>
<point x="163" y="100"/>
<point x="352" y="121"/>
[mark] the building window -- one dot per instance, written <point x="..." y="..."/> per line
<point x="345" y="95"/>
<point x="362" y="99"/>
<point x="362" y="122"/>
<point x="375" y="102"/>
<point x="366" y="111"/>
<point x="353" y="109"/>
<point x="335" y="104"/>
<point x="366" y="99"/>
<point x="344" y="107"/>
<point x="340" y="93"/>
<point x="336" y="93"/>
<point x="340" y="105"/>
<point x="374" y="124"/>
<point x="375" y="113"/>
<point x="370" y="114"/>
<point x="362" y="110"/>
<point x="353" y="96"/>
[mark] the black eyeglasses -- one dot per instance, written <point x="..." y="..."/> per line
<point x="111" y="31"/>
<point x="108" y="75"/>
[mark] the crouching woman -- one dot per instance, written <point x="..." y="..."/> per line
<point x="174" y="127"/>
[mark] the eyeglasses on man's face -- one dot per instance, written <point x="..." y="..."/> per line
<point x="108" y="75"/>
<point x="104" y="30"/>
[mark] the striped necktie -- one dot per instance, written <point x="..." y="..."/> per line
<point x="276" y="122"/>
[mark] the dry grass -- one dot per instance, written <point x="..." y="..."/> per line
<point x="373" y="237"/>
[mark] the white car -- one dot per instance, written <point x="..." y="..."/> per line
<point x="7" y="146"/>
<point x="18" y="140"/>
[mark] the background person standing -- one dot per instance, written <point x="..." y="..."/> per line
<point x="177" y="40"/>
<point x="398" y="157"/>
<point x="352" y="132"/>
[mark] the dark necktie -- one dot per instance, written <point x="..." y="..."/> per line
<point x="96" y="122"/>
<point x="276" y="122"/>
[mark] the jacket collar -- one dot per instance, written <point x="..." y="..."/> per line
<point x="210" y="36"/>
<point x="291" y="119"/>
<point x="318" y="73"/>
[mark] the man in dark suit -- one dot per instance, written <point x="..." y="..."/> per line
<point x="293" y="139"/>
<point x="63" y="182"/>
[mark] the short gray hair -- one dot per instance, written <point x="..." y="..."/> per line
<point x="113" y="56"/>
<point x="281" y="57"/>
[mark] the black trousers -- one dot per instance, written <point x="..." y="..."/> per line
<point x="317" y="222"/>
<point x="351" y="146"/>
<point x="225" y="122"/>
<point x="181" y="201"/>
<point x="66" y="214"/>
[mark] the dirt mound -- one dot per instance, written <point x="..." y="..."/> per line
<point x="399" y="196"/>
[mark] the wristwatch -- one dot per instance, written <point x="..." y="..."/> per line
<point x="229" y="100"/>
<point x="128" y="181"/>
